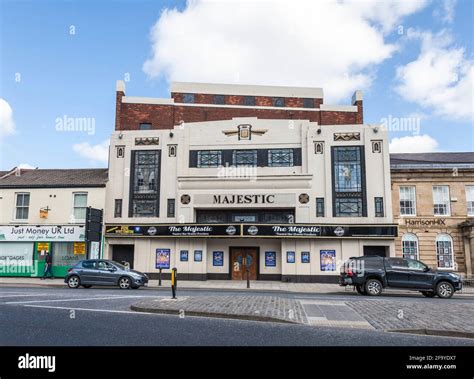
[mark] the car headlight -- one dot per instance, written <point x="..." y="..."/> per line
<point x="454" y="276"/>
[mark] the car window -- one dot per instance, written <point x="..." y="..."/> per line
<point x="398" y="263"/>
<point x="88" y="264"/>
<point x="415" y="265"/>
<point x="104" y="265"/>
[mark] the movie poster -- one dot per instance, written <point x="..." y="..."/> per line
<point x="328" y="260"/>
<point x="270" y="258"/>
<point x="163" y="258"/>
<point x="218" y="258"/>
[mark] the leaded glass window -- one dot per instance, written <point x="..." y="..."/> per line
<point x="410" y="246"/>
<point x="280" y="157"/>
<point x="444" y="251"/>
<point x="348" y="183"/>
<point x="244" y="157"/>
<point x="209" y="158"/>
<point x="145" y="183"/>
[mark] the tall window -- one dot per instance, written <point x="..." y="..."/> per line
<point x="22" y="206"/>
<point x="444" y="251"/>
<point x="171" y="208"/>
<point x="378" y="203"/>
<point x="470" y="200"/>
<point x="441" y="200"/>
<point x="145" y="183"/>
<point x="244" y="157"/>
<point x="410" y="246"/>
<point x="320" y="207"/>
<point x="79" y="206"/>
<point x="209" y="158"/>
<point x="280" y="157"/>
<point x="118" y="208"/>
<point x="348" y="182"/>
<point x="408" y="201"/>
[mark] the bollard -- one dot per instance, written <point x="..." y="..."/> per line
<point x="174" y="281"/>
<point x="248" y="277"/>
<point x="159" y="278"/>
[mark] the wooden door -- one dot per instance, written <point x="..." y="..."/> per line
<point x="243" y="258"/>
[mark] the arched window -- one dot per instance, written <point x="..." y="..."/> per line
<point x="410" y="246"/>
<point x="444" y="251"/>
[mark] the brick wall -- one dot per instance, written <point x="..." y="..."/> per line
<point x="130" y="115"/>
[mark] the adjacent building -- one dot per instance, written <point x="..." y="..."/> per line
<point x="433" y="204"/>
<point x="225" y="181"/>
<point x="44" y="211"/>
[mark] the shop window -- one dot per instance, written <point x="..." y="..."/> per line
<point x="278" y="101"/>
<point x="249" y="100"/>
<point x="145" y="126"/>
<point x="219" y="99"/>
<point x="348" y="181"/>
<point x="188" y="97"/>
<point x="118" y="208"/>
<point x="470" y="200"/>
<point x="441" y="201"/>
<point x="79" y="206"/>
<point x="320" y="207"/>
<point x="244" y="158"/>
<point x="171" y="208"/>
<point x="410" y="246"/>
<point x="444" y="251"/>
<point x="379" y="207"/>
<point x="63" y="254"/>
<point x="308" y="103"/>
<point x="145" y="183"/>
<point x="22" y="206"/>
<point x="408" y="201"/>
<point x="280" y="158"/>
<point x="209" y="158"/>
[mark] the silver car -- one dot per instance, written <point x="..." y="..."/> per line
<point x="101" y="272"/>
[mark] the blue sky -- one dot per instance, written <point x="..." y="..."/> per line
<point x="48" y="73"/>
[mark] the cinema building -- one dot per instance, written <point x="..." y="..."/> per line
<point x="224" y="180"/>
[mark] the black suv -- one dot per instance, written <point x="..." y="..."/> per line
<point x="371" y="274"/>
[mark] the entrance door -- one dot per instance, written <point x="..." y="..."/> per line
<point x="244" y="258"/>
<point x="123" y="253"/>
<point x="380" y="251"/>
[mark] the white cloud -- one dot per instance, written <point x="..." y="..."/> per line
<point x="413" y="144"/>
<point x="96" y="153"/>
<point x="445" y="11"/>
<point x="441" y="78"/>
<point x="331" y="44"/>
<point x="7" y="125"/>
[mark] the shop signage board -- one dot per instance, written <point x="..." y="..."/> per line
<point x="252" y="230"/>
<point x="59" y="233"/>
<point x="79" y="248"/>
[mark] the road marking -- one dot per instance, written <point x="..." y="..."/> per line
<point x="90" y="309"/>
<point x="76" y="299"/>
<point x="23" y="295"/>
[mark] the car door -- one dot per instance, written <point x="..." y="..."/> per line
<point x="420" y="276"/>
<point x="397" y="272"/>
<point x="106" y="276"/>
<point x="87" y="272"/>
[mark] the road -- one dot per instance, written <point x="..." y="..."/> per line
<point x="98" y="317"/>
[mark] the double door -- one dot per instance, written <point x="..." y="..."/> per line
<point x="244" y="259"/>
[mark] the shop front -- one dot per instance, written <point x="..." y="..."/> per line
<point x="276" y="252"/>
<point x="23" y="249"/>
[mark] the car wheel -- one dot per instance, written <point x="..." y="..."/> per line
<point x="373" y="287"/>
<point x="124" y="283"/>
<point x="445" y="290"/>
<point x="428" y="293"/>
<point x="360" y="289"/>
<point x="86" y="285"/>
<point x="73" y="281"/>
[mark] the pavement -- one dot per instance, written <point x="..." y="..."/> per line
<point x="54" y="316"/>
<point x="226" y="285"/>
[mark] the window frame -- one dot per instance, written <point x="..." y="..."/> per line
<point x="470" y="199"/>
<point x="188" y="98"/>
<point x="171" y="208"/>
<point x="445" y="238"/>
<point x="218" y="153"/>
<point x="400" y="200"/>
<point x="252" y="152"/>
<point x="22" y="206"/>
<point x="141" y="124"/>
<point x="219" y="99"/>
<point x="413" y="238"/>
<point x="278" y="102"/>
<point x="379" y="206"/>
<point x="118" y="204"/>
<point x="309" y="102"/>
<point x="74" y="207"/>
<point x="320" y="207"/>
<point x="447" y="202"/>
<point x="249" y="101"/>
<point x="271" y="152"/>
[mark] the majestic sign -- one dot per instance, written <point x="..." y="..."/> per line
<point x="252" y="230"/>
<point x="64" y="233"/>
<point x="243" y="199"/>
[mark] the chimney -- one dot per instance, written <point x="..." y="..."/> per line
<point x="119" y="93"/>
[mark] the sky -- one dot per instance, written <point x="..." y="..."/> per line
<point x="60" y="60"/>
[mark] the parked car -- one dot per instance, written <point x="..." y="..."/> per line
<point x="371" y="274"/>
<point x="103" y="272"/>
